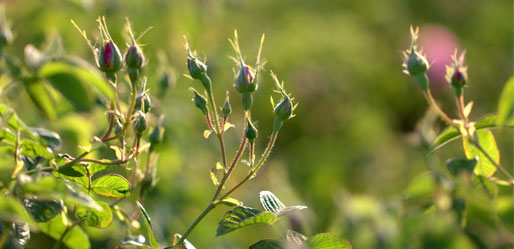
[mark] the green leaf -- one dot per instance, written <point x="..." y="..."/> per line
<point x="12" y="210"/>
<point x="115" y="186"/>
<point x="328" y="241"/>
<point x="456" y="166"/>
<point x="272" y="204"/>
<point x="95" y="218"/>
<point x="506" y="103"/>
<point x="74" y="239"/>
<point x="148" y="226"/>
<point x="242" y="216"/>
<point x="7" y="135"/>
<point x="51" y="139"/>
<point x="43" y="211"/>
<point x="420" y="187"/>
<point x="450" y="133"/>
<point x="131" y="244"/>
<point x="76" y="173"/>
<point x="484" y="166"/>
<point x="33" y="149"/>
<point x="40" y="96"/>
<point x="231" y="202"/>
<point x="268" y="244"/>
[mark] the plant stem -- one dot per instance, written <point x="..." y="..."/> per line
<point x="264" y="156"/>
<point x="17" y="167"/>
<point x="127" y="118"/>
<point x="431" y="101"/>
<point x="207" y="209"/>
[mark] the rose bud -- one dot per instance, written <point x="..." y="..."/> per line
<point x="416" y="63"/>
<point x="456" y="74"/>
<point x="226" y="109"/>
<point x="140" y="125"/>
<point x="156" y="135"/>
<point x="245" y="81"/>
<point x="109" y="59"/>
<point x="134" y="57"/>
<point x="284" y="109"/>
<point x="250" y="132"/>
<point x="143" y="103"/>
<point x="195" y="66"/>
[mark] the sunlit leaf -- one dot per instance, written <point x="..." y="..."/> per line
<point x="95" y="218"/>
<point x="506" y="103"/>
<point x="228" y="126"/>
<point x="456" y="166"/>
<point x="268" y="244"/>
<point x="241" y="216"/>
<point x="115" y="186"/>
<point x="12" y="210"/>
<point x="328" y="241"/>
<point x="486" y="140"/>
<point x="231" y="202"/>
<point x="148" y="226"/>
<point x="450" y="133"/>
<point x="33" y="149"/>
<point x="214" y="178"/>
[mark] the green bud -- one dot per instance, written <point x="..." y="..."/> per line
<point x="134" y="57"/>
<point x="245" y="81"/>
<point x="156" y="135"/>
<point x="196" y="67"/>
<point x="164" y="82"/>
<point x="250" y="132"/>
<point x="284" y="109"/>
<point x="143" y="103"/>
<point x="140" y="125"/>
<point x="109" y="59"/>
<point x="456" y="74"/>
<point x="200" y="101"/>
<point x="416" y="63"/>
<point x="226" y="109"/>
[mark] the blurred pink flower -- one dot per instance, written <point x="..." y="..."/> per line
<point x="439" y="43"/>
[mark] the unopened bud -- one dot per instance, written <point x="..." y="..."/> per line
<point x="164" y="82"/>
<point x="143" y="103"/>
<point x="458" y="79"/>
<point x="196" y="67"/>
<point x="245" y="81"/>
<point x="200" y="101"/>
<point x="284" y="109"/>
<point x="134" y="57"/>
<point x="109" y="59"/>
<point x="226" y="109"/>
<point x="140" y="125"/>
<point x="416" y="63"/>
<point x="250" y="132"/>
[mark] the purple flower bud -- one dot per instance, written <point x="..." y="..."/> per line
<point x="245" y="81"/>
<point x="109" y="59"/>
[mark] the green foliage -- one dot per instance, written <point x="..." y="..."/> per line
<point x="59" y="228"/>
<point x="328" y="241"/>
<point x="267" y="244"/>
<point x="486" y="140"/>
<point x="93" y="217"/>
<point x="114" y="186"/>
<point x="148" y="226"/>
<point x="240" y="217"/>
<point x="506" y="103"/>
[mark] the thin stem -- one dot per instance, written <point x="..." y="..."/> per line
<point x="242" y="147"/>
<point x="264" y="156"/>
<point x="59" y="242"/>
<point x="17" y="167"/>
<point x="195" y="222"/>
<point x="431" y="101"/>
<point x="128" y="117"/>
<point x="111" y="123"/>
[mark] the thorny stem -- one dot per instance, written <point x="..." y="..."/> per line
<point x="431" y="101"/>
<point x="127" y="118"/>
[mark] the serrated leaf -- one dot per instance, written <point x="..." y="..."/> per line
<point x="272" y="204"/>
<point x="148" y="226"/>
<point x="75" y="238"/>
<point x="450" y="133"/>
<point x="328" y="241"/>
<point x="40" y="96"/>
<point x="95" y="218"/>
<point x="43" y="211"/>
<point x="242" y="216"/>
<point x="268" y="244"/>
<point x="506" y="103"/>
<point x="486" y="139"/>
<point x="184" y="245"/>
<point x="231" y="202"/>
<point x="111" y="185"/>
<point x="456" y="166"/>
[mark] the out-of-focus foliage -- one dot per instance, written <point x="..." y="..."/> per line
<point x="356" y="151"/>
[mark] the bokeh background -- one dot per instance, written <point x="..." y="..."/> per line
<point x="355" y="144"/>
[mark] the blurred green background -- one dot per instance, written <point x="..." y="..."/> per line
<point x="355" y="144"/>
